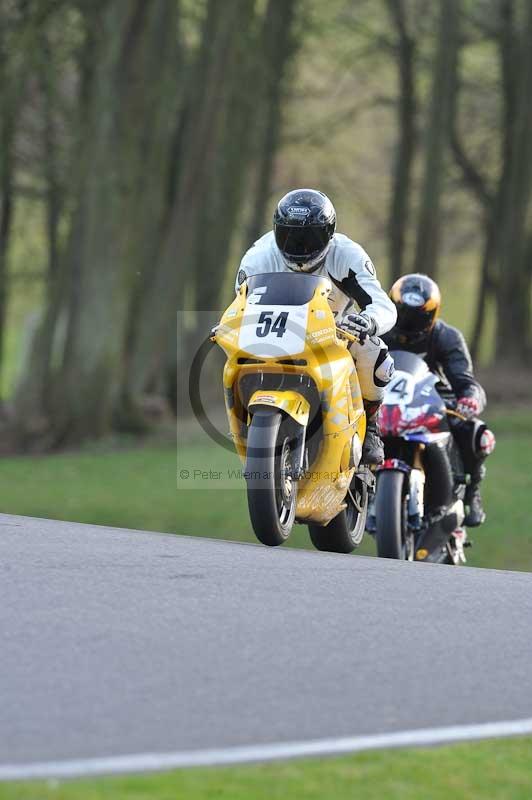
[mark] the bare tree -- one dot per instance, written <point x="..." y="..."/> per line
<point x="436" y="138"/>
<point x="71" y="393"/>
<point x="279" y="46"/>
<point x="398" y="215"/>
<point x="513" y="337"/>
<point x="505" y="198"/>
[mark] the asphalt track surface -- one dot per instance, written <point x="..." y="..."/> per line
<point x="118" y="642"/>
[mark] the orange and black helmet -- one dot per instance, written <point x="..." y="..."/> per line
<point x="418" y="300"/>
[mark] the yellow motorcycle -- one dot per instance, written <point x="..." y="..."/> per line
<point x="295" y="411"/>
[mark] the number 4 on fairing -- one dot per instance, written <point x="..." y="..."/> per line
<point x="278" y="327"/>
<point x="400" y="388"/>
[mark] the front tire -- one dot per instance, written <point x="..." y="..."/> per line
<point x="345" y="531"/>
<point x="271" y="488"/>
<point x="390" y="514"/>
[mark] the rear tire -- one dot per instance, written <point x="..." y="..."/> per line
<point x="390" y="515"/>
<point x="271" y="489"/>
<point x="345" y="531"/>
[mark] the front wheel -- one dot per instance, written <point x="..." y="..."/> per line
<point x="391" y="514"/>
<point x="345" y="532"/>
<point x="271" y="488"/>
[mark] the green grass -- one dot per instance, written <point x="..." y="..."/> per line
<point x="499" y="770"/>
<point x="217" y="506"/>
<point x="136" y="488"/>
<point x="132" y="488"/>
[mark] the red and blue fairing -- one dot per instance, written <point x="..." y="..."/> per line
<point x="412" y="408"/>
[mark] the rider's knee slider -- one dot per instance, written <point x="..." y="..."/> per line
<point x="384" y="369"/>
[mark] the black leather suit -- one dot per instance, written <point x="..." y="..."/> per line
<point x="447" y="355"/>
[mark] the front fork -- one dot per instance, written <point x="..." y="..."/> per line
<point x="415" y="489"/>
<point x="416" y="493"/>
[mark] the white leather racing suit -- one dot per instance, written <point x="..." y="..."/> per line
<point x="354" y="280"/>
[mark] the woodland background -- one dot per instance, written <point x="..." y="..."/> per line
<point x="143" y="146"/>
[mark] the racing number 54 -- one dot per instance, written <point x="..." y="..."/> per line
<point x="268" y="324"/>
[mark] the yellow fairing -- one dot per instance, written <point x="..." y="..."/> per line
<point x="292" y="403"/>
<point x="325" y="360"/>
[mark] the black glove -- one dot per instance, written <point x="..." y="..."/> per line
<point x="359" y="325"/>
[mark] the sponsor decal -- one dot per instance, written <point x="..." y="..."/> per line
<point x="318" y="336"/>
<point x="299" y="211"/>
<point x="241" y="277"/>
<point x="264" y="398"/>
<point x="369" y="267"/>
<point x="253" y="299"/>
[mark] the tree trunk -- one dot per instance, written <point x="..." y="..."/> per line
<point x="19" y="32"/>
<point x="485" y="284"/>
<point x="492" y="201"/>
<point x="277" y="51"/>
<point x="164" y="292"/>
<point x="436" y="136"/>
<point x="8" y="115"/>
<point x="86" y="318"/>
<point x="398" y="215"/>
<point x="165" y="70"/>
<point x="233" y="150"/>
<point x="513" y="339"/>
<point x="54" y="191"/>
<point x="248" y="132"/>
<point x="6" y="209"/>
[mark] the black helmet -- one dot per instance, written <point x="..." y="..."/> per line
<point x="303" y="224"/>
<point x="418" y="300"/>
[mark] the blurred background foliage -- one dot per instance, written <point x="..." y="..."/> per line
<point x="143" y="146"/>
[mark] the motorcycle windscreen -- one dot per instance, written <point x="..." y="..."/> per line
<point x="282" y="288"/>
<point x="409" y="362"/>
<point x="274" y="323"/>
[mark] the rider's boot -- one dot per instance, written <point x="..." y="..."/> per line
<point x="475" y="515"/>
<point x="372" y="449"/>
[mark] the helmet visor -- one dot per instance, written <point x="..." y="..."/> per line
<point x="414" y="320"/>
<point x="300" y="244"/>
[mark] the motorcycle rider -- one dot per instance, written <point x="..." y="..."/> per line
<point x="419" y="330"/>
<point x="303" y="240"/>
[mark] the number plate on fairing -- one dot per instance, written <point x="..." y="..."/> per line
<point x="400" y="390"/>
<point x="273" y="331"/>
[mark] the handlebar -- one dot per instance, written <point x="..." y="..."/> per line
<point x="346" y="335"/>
<point x="452" y="413"/>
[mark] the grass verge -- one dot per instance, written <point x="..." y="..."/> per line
<point x="498" y="770"/>
<point x="132" y="488"/>
<point x="215" y="505"/>
<point x="135" y="488"/>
